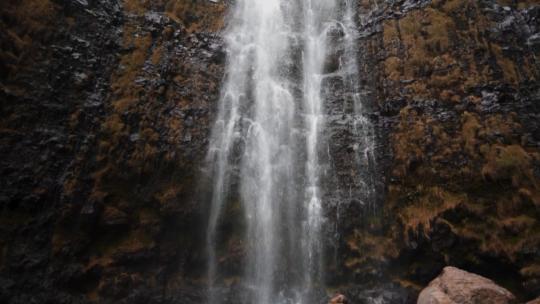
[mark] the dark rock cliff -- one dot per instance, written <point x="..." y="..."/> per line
<point x="106" y="110"/>
<point x="456" y="85"/>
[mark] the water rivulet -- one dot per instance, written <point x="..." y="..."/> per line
<point x="268" y="151"/>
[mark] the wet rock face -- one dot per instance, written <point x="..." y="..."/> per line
<point x="455" y="91"/>
<point x="458" y="286"/>
<point x="106" y="112"/>
<point x="106" y="109"/>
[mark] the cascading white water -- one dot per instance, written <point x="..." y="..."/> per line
<point x="362" y="128"/>
<point x="266" y="144"/>
<point x="256" y="120"/>
<point x="317" y="21"/>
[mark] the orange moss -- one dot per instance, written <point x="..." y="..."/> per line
<point x="431" y="202"/>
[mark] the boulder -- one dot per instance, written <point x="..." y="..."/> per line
<point x="456" y="286"/>
<point x="339" y="299"/>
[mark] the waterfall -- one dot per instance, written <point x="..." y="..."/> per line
<point x="266" y="144"/>
<point x="362" y="129"/>
<point x="316" y="26"/>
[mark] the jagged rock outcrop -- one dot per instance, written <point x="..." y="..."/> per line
<point x="454" y="285"/>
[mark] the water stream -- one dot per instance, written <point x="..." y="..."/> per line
<point x="267" y="141"/>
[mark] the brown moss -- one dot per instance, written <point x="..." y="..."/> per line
<point x="506" y="126"/>
<point x="408" y="284"/>
<point x="136" y="240"/>
<point x="124" y="103"/>
<point x="70" y="185"/>
<point x="34" y="15"/>
<point x="392" y="66"/>
<point x="476" y="176"/>
<point x="115" y="125"/>
<point x="531" y="271"/>
<point x="449" y="6"/>
<point x="425" y="38"/>
<point x="169" y="194"/>
<point x="431" y="202"/>
<point x="437" y="40"/>
<point x="469" y="131"/>
<point x="197" y="16"/>
<point x="366" y="246"/>
<point x="516" y="225"/>
<point x="137" y="7"/>
<point x="131" y="63"/>
<point x="390" y="34"/>
<point x="148" y="217"/>
<point x="507" y="65"/>
<point x="407" y="142"/>
<point x="157" y="54"/>
<point x="25" y="26"/>
<point x="509" y="163"/>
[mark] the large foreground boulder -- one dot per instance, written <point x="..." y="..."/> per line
<point x="457" y="286"/>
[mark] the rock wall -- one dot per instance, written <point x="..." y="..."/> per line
<point x="456" y="85"/>
<point x="106" y="110"/>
